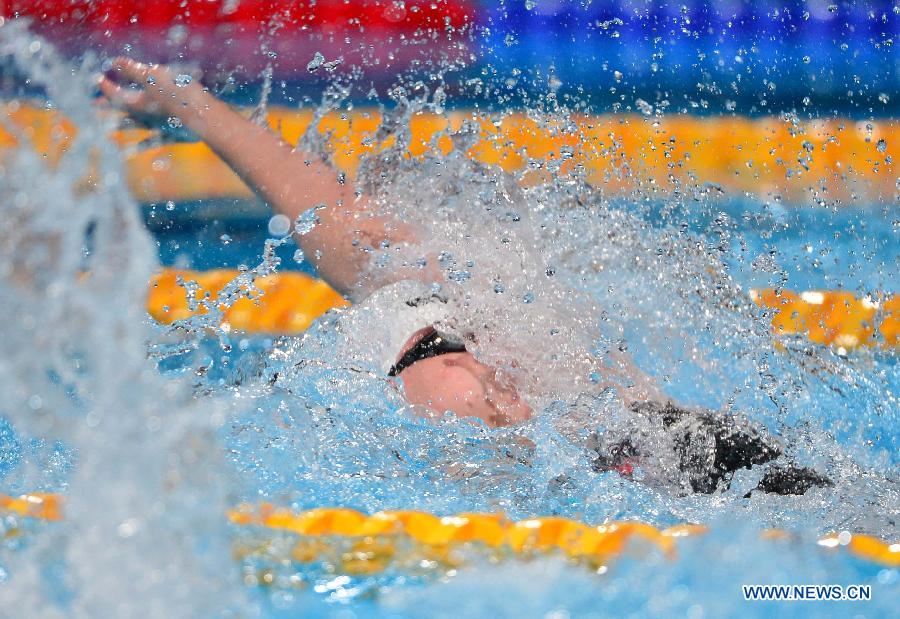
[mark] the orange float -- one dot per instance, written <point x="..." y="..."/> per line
<point x="289" y="302"/>
<point x="40" y="505"/>
<point x="379" y="535"/>
<point x="830" y="161"/>
<point x="833" y="318"/>
<point x="577" y="540"/>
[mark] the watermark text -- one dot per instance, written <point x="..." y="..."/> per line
<point x="795" y="593"/>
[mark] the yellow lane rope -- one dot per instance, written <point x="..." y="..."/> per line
<point x="834" y="318"/>
<point x="190" y="171"/>
<point x="291" y="301"/>
<point x="593" y="544"/>
<point x="811" y="161"/>
<point x="577" y="540"/>
<point x="40" y="505"/>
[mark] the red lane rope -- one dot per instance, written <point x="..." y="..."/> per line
<point x="322" y="15"/>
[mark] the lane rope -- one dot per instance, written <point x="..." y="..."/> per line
<point x="291" y="301"/>
<point x="839" y="161"/>
<point x="384" y="530"/>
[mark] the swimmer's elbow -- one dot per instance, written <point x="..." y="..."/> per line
<point x="344" y="245"/>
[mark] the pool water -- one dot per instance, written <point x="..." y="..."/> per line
<point x="152" y="449"/>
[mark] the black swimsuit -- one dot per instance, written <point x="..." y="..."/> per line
<point x="736" y="446"/>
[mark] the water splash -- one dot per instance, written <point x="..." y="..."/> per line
<point x="568" y="293"/>
<point x="143" y="534"/>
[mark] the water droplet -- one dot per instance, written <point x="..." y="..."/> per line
<point x="332" y="65"/>
<point x="299" y="256"/>
<point x="127" y="528"/>
<point x="881" y="145"/>
<point x="279" y="225"/>
<point x="459" y="276"/>
<point x="226" y="239"/>
<point x="174" y="122"/>
<point x="316" y="63"/>
<point x="182" y="80"/>
<point x="306" y="221"/>
<point x="170" y="206"/>
<point x="645" y="108"/>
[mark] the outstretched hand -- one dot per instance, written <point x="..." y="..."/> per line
<point x="291" y="180"/>
<point x="150" y="90"/>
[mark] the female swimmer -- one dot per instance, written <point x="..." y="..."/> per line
<point x="438" y="372"/>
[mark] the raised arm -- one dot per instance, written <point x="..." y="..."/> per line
<point x="290" y="180"/>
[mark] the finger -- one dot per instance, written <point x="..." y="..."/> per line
<point x="111" y="91"/>
<point x="132" y="69"/>
<point x="119" y="96"/>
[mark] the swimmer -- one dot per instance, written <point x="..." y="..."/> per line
<point x="437" y="370"/>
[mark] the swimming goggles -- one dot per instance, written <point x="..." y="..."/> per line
<point x="433" y="344"/>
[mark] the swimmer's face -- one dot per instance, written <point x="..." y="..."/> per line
<point x="460" y="383"/>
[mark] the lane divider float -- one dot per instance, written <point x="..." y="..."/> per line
<point x="834" y="318"/>
<point x="290" y="302"/>
<point x="293" y="300"/>
<point x="377" y="537"/>
<point x="827" y="161"/>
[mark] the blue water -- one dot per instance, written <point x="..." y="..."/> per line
<point x="855" y="249"/>
<point x="290" y="449"/>
<point x="292" y="454"/>
<point x="167" y="447"/>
